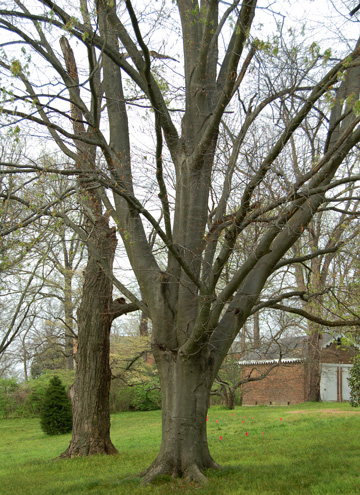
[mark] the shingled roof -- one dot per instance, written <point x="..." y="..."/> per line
<point x="293" y="349"/>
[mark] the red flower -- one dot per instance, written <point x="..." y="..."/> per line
<point x="246" y="434"/>
<point x="280" y="419"/>
<point x="220" y="438"/>
<point x="217" y="421"/>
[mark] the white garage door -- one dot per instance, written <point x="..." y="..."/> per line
<point x="345" y="384"/>
<point x="328" y="383"/>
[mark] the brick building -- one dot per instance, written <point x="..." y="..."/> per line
<point x="283" y="369"/>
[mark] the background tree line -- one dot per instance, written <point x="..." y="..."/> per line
<point x="248" y="153"/>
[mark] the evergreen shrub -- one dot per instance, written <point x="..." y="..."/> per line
<point x="56" y="414"/>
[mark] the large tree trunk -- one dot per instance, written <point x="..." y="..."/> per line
<point x="144" y="325"/>
<point x="185" y="385"/>
<point x="68" y="307"/>
<point x="90" y="391"/>
<point x="313" y="365"/>
<point x="312" y="381"/>
<point x="256" y="330"/>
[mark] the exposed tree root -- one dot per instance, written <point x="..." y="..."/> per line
<point x="155" y="472"/>
<point x="101" y="448"/>
<point x="213" y="465"/>
<point x="192" y="473"/>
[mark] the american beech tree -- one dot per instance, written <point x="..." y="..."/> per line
<point x="224" y="78"/>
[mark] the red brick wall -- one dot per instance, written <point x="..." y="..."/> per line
<point x="337" y="354"/>
<point x="284" y="385"/>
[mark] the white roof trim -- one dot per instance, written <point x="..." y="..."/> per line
<point x="334" y="338"/>
<point x="272" y="361"/>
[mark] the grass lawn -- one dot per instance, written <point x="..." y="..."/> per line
<point x="305" y="449"/>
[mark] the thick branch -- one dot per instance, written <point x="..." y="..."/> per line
<point x="227" y="76"/>
<point x="301" y="259"/>
<point x="304" y="295"/>
<point x="317" y="319"/>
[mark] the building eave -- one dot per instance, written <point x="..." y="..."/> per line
<point x="271" y="361"/>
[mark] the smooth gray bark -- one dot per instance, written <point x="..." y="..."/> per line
<point x="195" y="314"/>
<point x="185" y="388"/>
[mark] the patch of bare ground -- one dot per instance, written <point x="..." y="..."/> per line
<point x="326" y="411"/>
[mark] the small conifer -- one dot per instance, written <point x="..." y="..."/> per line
<point x="56" y="414"/>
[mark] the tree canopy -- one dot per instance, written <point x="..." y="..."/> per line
<point x="179" y="122"/>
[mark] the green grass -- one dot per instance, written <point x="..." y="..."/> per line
<point x="311" y="452"/>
